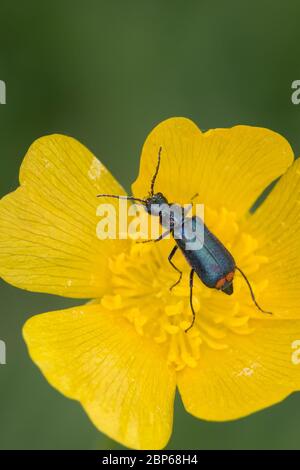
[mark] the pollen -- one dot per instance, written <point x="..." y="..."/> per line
<point x="140" y="291"/>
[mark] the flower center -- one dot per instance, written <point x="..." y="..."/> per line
<point x="141" y="281"/>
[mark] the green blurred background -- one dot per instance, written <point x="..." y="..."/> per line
<point x="106" y="72"/>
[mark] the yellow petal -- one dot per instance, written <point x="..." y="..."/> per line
<point x="256" y="371"/>
<point x="48" y="239"/>
<point x="276" y="226"/>
<point x="121" y="379"/>
<point x="226" y="167"/>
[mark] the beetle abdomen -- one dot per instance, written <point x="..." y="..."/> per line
<point x="209" y="258"/>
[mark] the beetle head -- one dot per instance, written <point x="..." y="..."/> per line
<point x="154" y="203"/>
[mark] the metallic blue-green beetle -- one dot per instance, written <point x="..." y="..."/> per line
<point x="204" y="252"/>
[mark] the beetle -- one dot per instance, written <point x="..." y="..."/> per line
<point x="212" y="262"/>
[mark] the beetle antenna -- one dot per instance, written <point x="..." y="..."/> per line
<point x="156" y="172"/>
<point x="251" y="291"/>
<point x="130" y="198"/>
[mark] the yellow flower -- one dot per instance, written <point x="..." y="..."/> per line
<point x="122" y="355"/>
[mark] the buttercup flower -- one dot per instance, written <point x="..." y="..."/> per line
<point x="123" y="354"/>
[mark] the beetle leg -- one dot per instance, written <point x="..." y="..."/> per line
<point x="191" y="299"/>
<point x="190" y="206"/>
<point x="161" y="237"/>
<point x="173" y="265"/>
<point x="187" y="209"/>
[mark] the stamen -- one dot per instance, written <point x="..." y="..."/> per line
<point x="140" y="292"/>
